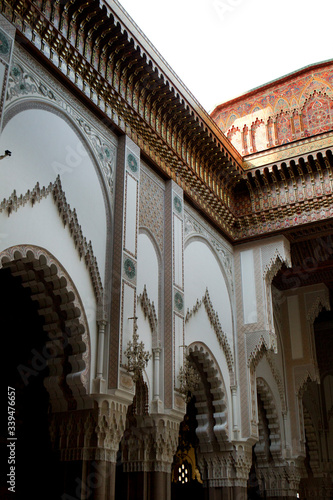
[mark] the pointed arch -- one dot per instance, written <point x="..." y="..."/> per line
<point x="283" y="126"/>
<point x="321" y="302"/>
<point x="317" y="113"/>
<point x="259" y="136"/>
<point x="281" y="105"/>
<point x="215" y="323"/>
<point x="231" y="119"/>
<point x="311" y="440"/>
<point x="235" y="137"/>
<point x="257" y="353"/>
<point x="150" y="296"/>
<point x="315" y="84"/>
<point x="274" y="257"/>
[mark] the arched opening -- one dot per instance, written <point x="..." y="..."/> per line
<point x="204" y="449"/>
<point x="131" y="482"/>
<point x="186" y="476"/>
<point x="267" y="474"/>
<point x="46" y="369"/>
<point x="317" y="414"/>
<point x="35" y="465"/>
<point x="253" y="485"/>
<point x="262" y="458"/>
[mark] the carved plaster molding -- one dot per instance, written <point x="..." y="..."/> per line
<point x="216" y="325"/>
<point x="280" y="481"/>
<point x="149" y="310"/>
<point x="211" y="400"/>
<point x="223" y="469"/>
<point x="242" y="461"/>
<point x="69" y="218"/>
<point x="275" y="443"/>
<point x="311" y="439"/>
<point x="152" y="206"/>
<point x="150" y="445"/>
<point x="257" y="344"/>
<point x="92" y="434"/>
<point x="302" y="375"/>
<point x="278" y="379"/>
<point x="273" y="256"/>
<point x="319" y="303"/>
<point x="258" y="347"/>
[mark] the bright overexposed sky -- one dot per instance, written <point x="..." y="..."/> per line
<point x="223" y="48"/>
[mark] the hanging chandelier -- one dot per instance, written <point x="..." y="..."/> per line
<point x="188" y="378"/>
<point x="137" y="357"/>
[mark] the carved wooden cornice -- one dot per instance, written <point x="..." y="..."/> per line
<point x="97" y="50"/>
<point x="288" y="194"/>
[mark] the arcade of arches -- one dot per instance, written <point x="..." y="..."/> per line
<point x="166" y="276"/>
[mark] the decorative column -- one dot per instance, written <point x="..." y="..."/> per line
<point x="255" y="266"/>
<point x="226" y="473"/>
<point x="174" y="294"/>
<point x="281" y="481"/>
<point x="124" y="293"/>
<point x="299" y="311"/>
<point x="7" y="36"/>
<point x="87" y="442"/>
<point x="148" y="449"/>
<point x="100" y="352"/>
<point x="156" y="379"/>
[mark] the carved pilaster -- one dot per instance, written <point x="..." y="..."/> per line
<point x="226" y="469"/>
<point x="174" y="292"/>
<point x="87" y="443"/>
<point x="150" y="445"/>
<point x="148" y="449"/>
<point x="280" y="481"/>
<point x="92" y="434"/>
<point x="124" y="299"/>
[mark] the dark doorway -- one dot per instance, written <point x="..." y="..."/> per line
<point x="253" y="489"/>
<point x="187" y="480"/>
<point x="23" y="371"/>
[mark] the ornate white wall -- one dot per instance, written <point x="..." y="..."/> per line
<point x="57" y="186"/>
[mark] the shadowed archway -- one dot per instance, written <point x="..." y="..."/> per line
<point x="24" y="369"/>
<point x="45" y="365"/>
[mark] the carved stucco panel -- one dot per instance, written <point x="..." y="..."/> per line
<point x="152" y="206"/>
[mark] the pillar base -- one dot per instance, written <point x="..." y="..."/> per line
<point x="226" y="493"/>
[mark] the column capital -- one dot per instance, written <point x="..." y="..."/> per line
<point x="152" y="436"/>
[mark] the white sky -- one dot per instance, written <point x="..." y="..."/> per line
<point x="223" y="48"/>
